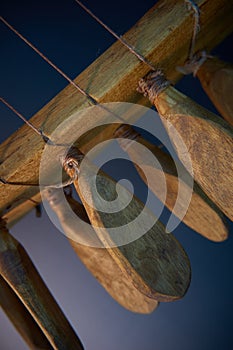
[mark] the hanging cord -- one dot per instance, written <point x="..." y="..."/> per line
<point x="118" y="37"/>
<point x="91" y="99"/>
<point x="196" y="28"/>
<point x="83" y="92"/>
<point x="194" y="61"/>
<point x="46" y="139"/>
<point x="193" y="65"/>
<point x="38" y="131"/>
<point x="196" y="11"/>
<point x="152" y="85"/>
<point x="191" y="5"/>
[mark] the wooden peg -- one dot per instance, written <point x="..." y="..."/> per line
<point x="21" y="318"/>
<point x="201" y="214"/>
<point x="216" y="78"/>
<point x="97" y="260"/>
<point x="155" y="263"/>
<point x="17" y="269"/>
<point x="208" y="138"/>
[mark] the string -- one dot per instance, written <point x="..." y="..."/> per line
<point x="118" y="37"/>
<point x="191" y="5"/>
<point x="46" y="139"/>
<point x="92" y="100"/>
<point x="83" y="92"/>
<point x="194" y="61"/>
<point x="38" y="131"/>
<point x="193" y="65"/>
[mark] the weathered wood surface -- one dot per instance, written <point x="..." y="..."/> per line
<point x="98" y="260"/>
<point x="21" y="275"/>
<point x="21" y="318"/>
<point x="155" y="262"/>
<point x="207" y="137"/>
<point x="163" y="36"/>
<point x="216" y="78"/>
<point x="201" y="214"/>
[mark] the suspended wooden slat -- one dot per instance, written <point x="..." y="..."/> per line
<point x="201" y="214"/>
<point x="155" y="262"/>
<point x="97" y="260"/>
<point x="207" y="137"/>
<point x="216" y="78"/>
<point x="21" y="318"/>
<point x="18" y="271"/>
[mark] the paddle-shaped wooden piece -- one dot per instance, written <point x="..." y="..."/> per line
<point x="208" y="138"/>
<point x="97" y="260"/>
<point x="201" y="214"/>
<point x="155" y="263"/>
<point x="21" y="318"/>
<point x="17" y="269"/>
<point x="216" y="78"/>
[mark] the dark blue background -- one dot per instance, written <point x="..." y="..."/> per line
<point x="203" y="320"/>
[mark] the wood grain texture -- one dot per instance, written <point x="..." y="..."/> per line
<point x="21" y="318"/>
<point x="201" y="214"/>
<point x="162" y="35"/>
<point x="18" y="271"/>
<point x="97" y="260"/>
<point x="216" y="78"/>
<point x="154" y="262"/>
<point x="208" y="139"/>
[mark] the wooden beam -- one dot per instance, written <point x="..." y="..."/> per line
<point x="162" y="35"/>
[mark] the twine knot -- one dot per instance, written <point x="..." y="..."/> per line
<point x="193" y="65"/>
<point x="152" y="85"/>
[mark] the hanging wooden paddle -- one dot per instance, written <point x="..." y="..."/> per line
<point x="216" y="78"/>
<point x="202" y="215"/>
<point x="208" y="138"/>
<point x="21" y="318"/>
<point x="155" y="262"/>
<point x="18" y="271"/>
<point x="97" y="260"/>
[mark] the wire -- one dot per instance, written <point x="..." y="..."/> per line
<point x="83" y="92"/>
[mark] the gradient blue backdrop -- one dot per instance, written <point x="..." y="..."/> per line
<point x="203" y="320"/>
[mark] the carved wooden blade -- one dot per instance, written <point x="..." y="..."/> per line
<point x="98" y="260"/>
<point x="208" y="138"/>
<point x="21" y="318"/>
<point x="21" y="275"/>
<point x="155" y="263"/>
<point x="201" y="214"/>
<point x="216" y="78"/>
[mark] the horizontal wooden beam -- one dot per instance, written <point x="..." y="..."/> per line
<point x="162" y="35"/>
